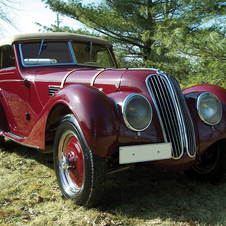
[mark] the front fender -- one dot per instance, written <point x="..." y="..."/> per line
<point x="93" y="111"/>
<point x="207" y="134"/>
<point x="217" y="90"/>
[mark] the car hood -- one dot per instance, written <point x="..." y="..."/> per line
<point x="50" y="79"/>
<point x="107" y="80"/>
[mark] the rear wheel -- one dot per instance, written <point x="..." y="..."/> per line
<point x="211" y="167"/>
<point x="80" y="174"/>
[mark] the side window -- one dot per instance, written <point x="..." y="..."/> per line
<point x="7" y="58"/>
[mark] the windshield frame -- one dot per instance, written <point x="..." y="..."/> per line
<point x="72" y="55"/>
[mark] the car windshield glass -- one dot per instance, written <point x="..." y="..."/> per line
<point x="92" y="54"/>
<point x="46" y="53"/>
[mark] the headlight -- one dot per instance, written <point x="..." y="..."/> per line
<point x="209" y="108"/>
<point x="137" y="112"/>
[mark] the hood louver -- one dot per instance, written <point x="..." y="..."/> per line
<point x="52" y="90"/>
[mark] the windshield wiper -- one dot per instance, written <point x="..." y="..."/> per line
<point x="40" y="49"/>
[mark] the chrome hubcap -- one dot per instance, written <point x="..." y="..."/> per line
<point x="64" y="162"/>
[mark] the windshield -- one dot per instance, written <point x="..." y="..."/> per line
<point x="46" y="53"/>
<point x="92" y="54"/>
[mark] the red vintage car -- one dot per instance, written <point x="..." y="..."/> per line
<point x="63" y="93"/>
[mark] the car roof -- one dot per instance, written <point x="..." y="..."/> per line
<point x="59" y="36"/>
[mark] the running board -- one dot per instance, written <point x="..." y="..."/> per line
<point x="17" y="139"/>
<point x="13" y="136"/>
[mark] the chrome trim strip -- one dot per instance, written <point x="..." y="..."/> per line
<point x="10" y="136"/>
<point x="95" y="76"/>
<point x="144" y="68"/>
<point x="13" y="135"/>
<point x="65" y="77"/>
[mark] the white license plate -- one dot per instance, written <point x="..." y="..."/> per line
<point x="144" y="153"/>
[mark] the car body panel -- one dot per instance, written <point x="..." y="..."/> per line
<point x="34" y="99"/>
<point x="207" y="134"/>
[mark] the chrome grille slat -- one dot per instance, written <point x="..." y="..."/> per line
<point x="173" y="114"/>
<point x="178" y="142"/>
<point x="189" y="128"/>
<point x="171" y="108"/>
<point x="170" y="123"/>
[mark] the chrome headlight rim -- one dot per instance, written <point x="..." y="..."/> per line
<point x="200" y="97"/>
<point x="124" y="108"/>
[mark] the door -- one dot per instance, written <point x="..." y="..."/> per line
<point x="12" y="95"/>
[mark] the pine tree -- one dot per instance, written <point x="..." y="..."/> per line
<point x="182" y="37"/>
<point x="199" y="35"/>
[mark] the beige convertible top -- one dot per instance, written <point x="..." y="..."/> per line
<point x="64" y="36"/>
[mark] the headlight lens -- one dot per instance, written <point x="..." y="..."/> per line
<point x="209" y="108"/>
<point x="137" y="112"/>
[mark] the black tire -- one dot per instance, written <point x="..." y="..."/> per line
<point x="80" y="173"/>
<point x="2" y="141"/>
<point x="212" y="165"/>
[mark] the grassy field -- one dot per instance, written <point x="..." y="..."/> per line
<point x="29" y="195"/>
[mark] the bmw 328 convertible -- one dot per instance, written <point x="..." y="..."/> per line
<point x="64" y="93"/>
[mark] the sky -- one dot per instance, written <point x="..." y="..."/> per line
<point x="28" y="12"/>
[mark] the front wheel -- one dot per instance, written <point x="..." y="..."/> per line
<point x="212" y="165"/>
<point x="80" y="174"/>
<point x="2" y="141"/>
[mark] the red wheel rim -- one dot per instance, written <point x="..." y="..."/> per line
<point x="75" y="161"/>
<point x="71" y="162"/>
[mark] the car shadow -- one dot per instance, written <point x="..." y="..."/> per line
<point x="145" y="193"/>
<point x="29" y="153"/>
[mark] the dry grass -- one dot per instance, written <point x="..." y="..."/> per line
<point x="29" y="195"/>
